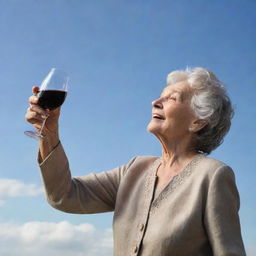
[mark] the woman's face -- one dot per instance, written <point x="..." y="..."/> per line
<point x="171" y="113"/>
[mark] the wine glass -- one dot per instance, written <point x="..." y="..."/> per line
<point x="51" y="95"/>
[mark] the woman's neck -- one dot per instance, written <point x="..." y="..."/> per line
<point x="176" y="153"/>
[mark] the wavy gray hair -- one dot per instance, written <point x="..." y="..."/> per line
<point x="209" y="102"/>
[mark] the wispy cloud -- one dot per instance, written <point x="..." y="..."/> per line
<point x="54" y="239"/>
<point x="15" y="188"/>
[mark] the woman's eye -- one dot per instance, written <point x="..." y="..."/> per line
<point x="172" y="98"/>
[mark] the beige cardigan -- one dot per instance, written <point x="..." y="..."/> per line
<point x="195" y="215"/>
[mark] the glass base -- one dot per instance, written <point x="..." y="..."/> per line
<point x="34" y="135"/>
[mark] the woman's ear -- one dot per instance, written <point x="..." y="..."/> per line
<point x="197" y="125"/>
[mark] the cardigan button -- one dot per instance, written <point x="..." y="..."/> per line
<point x="135" y="250"/>
<point x="141" y="227"/>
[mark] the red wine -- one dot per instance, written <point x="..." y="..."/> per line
<point x="51" y="99"/>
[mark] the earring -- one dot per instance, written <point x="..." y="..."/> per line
<point x="190" y="129"/>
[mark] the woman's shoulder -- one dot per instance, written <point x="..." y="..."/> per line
<point x="145" y="160"/>
<point x="212" y="162"/>
<point x="142" y="163"/>
<point x="210" y="166"/>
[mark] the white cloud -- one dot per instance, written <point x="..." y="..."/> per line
<point x="54" y="239"/>
<point x="62" y="238"/>
<point x="15" y="188"/>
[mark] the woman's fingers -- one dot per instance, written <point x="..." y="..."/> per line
<point x="33" y="99"/>
<point x="35" y="108"/>
<point x="36" y="115"/>
<point x="33" y="116"/>
<point x="35" y="90"/>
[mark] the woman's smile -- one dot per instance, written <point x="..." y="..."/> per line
<point x="157" y="116"/>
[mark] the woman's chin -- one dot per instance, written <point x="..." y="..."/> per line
<point x="152" y="128"/>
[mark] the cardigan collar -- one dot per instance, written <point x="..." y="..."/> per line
<point x="176" y="181"/>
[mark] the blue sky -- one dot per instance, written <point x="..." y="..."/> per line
<point x="118" y="54"/>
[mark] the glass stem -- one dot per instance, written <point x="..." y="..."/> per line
<point x="42" y="127"/>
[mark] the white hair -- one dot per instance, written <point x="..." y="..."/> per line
<point x="209" y="102"/>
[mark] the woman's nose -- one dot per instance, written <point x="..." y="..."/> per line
<point x="157" y="103"/>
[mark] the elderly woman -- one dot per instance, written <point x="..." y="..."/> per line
<point x="182" y="203"/>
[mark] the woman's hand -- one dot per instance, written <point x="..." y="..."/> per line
<point x="36" y="115"/>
